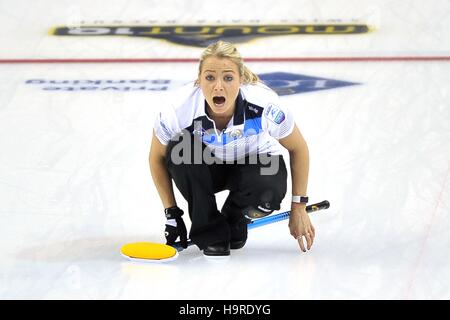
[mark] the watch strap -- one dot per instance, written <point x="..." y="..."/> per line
<point x="300" y="199"/>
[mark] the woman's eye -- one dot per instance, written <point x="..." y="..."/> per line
<point x="228" y="78"/>
<point x="209" y="77"/>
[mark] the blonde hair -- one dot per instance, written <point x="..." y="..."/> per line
<point x="222" y="49"/>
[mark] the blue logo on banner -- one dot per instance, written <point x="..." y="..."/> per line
<point x="290" y="83"/>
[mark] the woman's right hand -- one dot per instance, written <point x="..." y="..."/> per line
<point x="175" y="226"/>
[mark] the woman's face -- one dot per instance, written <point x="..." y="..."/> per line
<point x="220" y="81"/>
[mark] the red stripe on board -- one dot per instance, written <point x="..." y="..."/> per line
<point x="189" y="60"/>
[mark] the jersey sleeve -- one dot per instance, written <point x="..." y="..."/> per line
<point x="279" y="120"/>
<point x="166" y="125"/>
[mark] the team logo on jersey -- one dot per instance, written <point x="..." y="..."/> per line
<point x="202" y="35"/>
<point x="236" y="134"/>
<point x="274" y="114"/>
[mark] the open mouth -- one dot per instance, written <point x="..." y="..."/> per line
<point x="219" y="101"/>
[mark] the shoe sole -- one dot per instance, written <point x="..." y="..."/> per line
<point x="217" y="254"/>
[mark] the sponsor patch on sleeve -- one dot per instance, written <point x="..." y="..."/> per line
<point x="274" y="114"/>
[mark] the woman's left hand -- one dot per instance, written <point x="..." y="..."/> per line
<point x="301" y="227"/>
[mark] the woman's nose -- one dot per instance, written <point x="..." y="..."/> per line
<point x="218" y="85"/>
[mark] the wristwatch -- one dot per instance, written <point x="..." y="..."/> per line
<point x="300" y="199"/>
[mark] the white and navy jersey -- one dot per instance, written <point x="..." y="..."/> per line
<point x="259" y="120"/>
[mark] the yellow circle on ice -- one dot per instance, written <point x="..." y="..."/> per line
<point x="148" y="250"/>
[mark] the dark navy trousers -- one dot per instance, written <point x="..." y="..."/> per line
<point x="198" y="182"/>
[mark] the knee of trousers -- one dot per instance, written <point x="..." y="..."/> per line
<point x="263" y="204"/>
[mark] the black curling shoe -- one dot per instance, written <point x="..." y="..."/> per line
<point x="237" y="244"/>
<point x="220" y="249"/>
